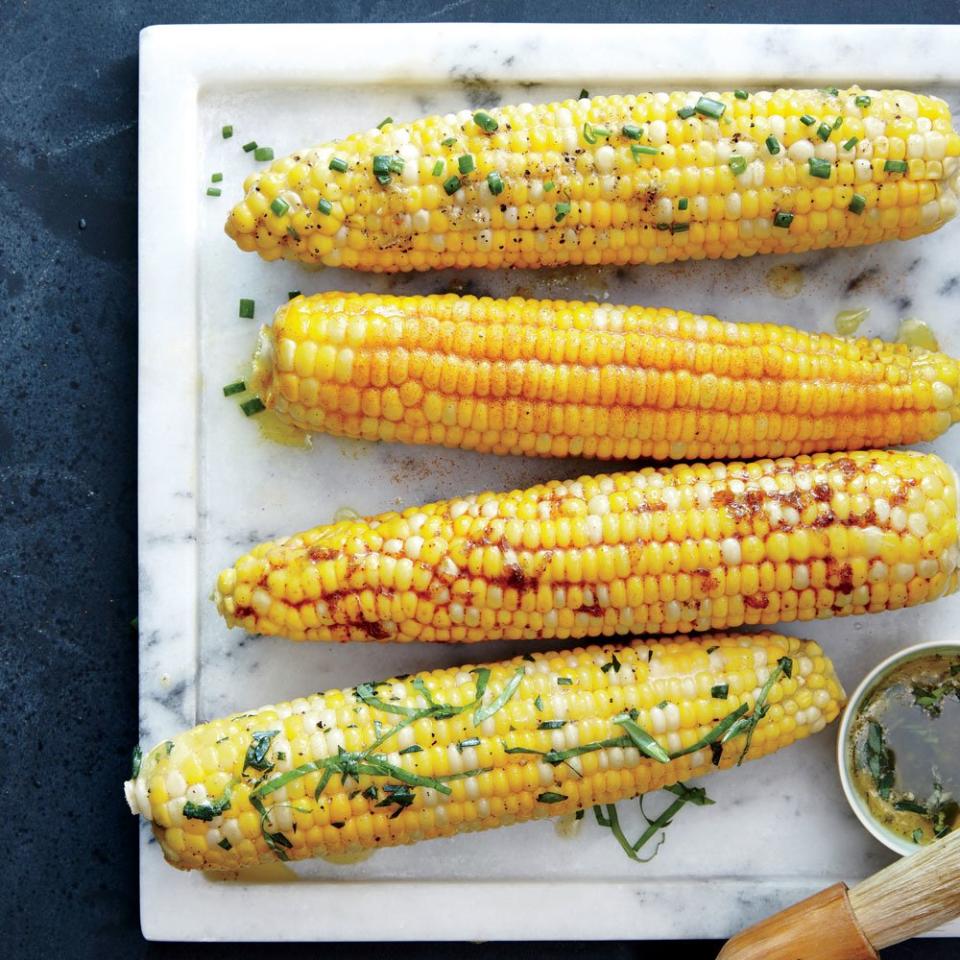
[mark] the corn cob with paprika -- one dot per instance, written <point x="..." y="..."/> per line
<point x="464" y="748"/>
<point x="647" y="178"/>
<point x="555" y="378"/>
<point x="666" y="550"/>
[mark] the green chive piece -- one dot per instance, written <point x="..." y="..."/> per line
<point x="632" y="132"/>
<point x="292" y="293"/>
<point x="639" y="150"/>
<point x="824" y="131"/>
<point x="216" y="177"/>
<point x="710" y="108"/>
<point x="807" y="120"/>
<point x="451" y="186"/>
<point x="224" y="844"/>
<point x="252" y="407"/>
<point x="858" y="203"/>
<point x="862" y="101"/>
<point x="324" y="206"/>
<point x="263" y="153"/>
<point x="381" y="164"/>
<point x="684" y="113"/>
<point x="397" y="164"/>
<point x="383" y="179"/>
<point x="252" y="145"/>
<point x="449" y="142"/>
<point x="584" y="94"/>
<point x="682" y="203"/>
<point x="720" y="692"/>
<point x="820" y="168"/>
<point x="384" y="122"/>
<point x="895" y="166"/>
<point x="495" y="182"/>
<point x="279" y="206"/>
<point x="485" y="122"/>
<point x="782" y="219"/>
<point x="238" y="386"/>
<point x="246" y="309"/>
<point x="851" y="143"/>
<point x="549" y="185"/>
<point x="588" y="133"/>
<point x="741" y="94"/>
<point x="438" y="168"/>
<point x="830" y="91"/>
<point x="561" y="209"/>
<point x="564" y="682"/>
<point x="213" y="191"/>
<point x="226" y="131"/>
<point x="679" y="227"/>
<point x="738" y="165"/>
<point x="773" y="144"/>
<point x="466" y="164"/>
<point x="338" y="164"/>
<point x="838" y="123"/>
<point x="550" y="797"/>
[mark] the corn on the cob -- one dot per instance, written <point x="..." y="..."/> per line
<point x="552" y="378"/>
<point x="650" y="178"/>
<point x="662" y="550"/>
<point x="472" y="748"/>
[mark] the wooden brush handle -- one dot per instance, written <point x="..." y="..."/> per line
<point x="911" y="896"/>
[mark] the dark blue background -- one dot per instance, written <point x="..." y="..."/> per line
<point x="68" y="690"/>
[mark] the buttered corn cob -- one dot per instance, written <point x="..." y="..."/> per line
<point x="552" y="378"/>
<point x="646" y="178"/>
<point x="464" y="748"/>
<point x="661" y="550"/>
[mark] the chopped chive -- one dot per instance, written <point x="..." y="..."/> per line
<point x="485" y="122"/>
<point x="820" y="168"/>
<point x="449" y="142"/>
<point x="632" y="132"/>
<point x="551" y="724"/>
<point x="338" y="164"/>
<point x="252" y="406"/>
<point x="292" y="293"/>
<point x="381" y="163"/>
<point x="838" y="123"/>
<point x="584" y="94"/>
<point x="773" y="144"/>
<point x="451" y="186"/>
<point x="807" y="120"/>
<point x="238" y="386"/>
<point x="226" y="131"/>
<point x="684" y="113"/>
<point x="613" y="664"/>
<point x="538" y="703"/>
<point x="216" y="177"/>
<point x="324" y="206"/>
<point x="224" y="844"/>
<point x="549" y="185"/>
<point x="292" y="232"/>
<point x="682" y="203"/>
<point x="857" y="203"/>
<point x="438" y="168"/>
<point x="384" y="122"/>
<point x="465" y="163"/>
<point x="263" y="153"/>
<point x="550" y="797"/>
<point x="662" y="704"/>
<point x="824" y="131"/>
<point x="383" y="179"/>
<point x="895" y="166"/>
<point x="710" y="108"/>
<point x="720" y="692"/>
<point x="639" y="150"/>
<point x="213" y="191"/>
<point x="396" y="164"/>
<point x="782" y="219"/>
<point x="279" y="206"/>
<point x="252" y="145"/>
<point x="741" y="94"/>
<point x="830" y="91"/>
<point x="561" y="210"/>
<point x="588" y="133"/>
<point x="851" y="143"/>
<point x="495" y="182"/>
<point x="862" y="101"/>
<point x="413" y="748"/>
<point x="564" y="681"/>
<point x="246" y="309"/>
<point x="738" y="165"/>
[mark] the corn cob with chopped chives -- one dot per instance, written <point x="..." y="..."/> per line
<point x="647" y="178"/>
<point x="555" y="378"/>
<point x="463" y="749"/>
<point x="666" y="550"/>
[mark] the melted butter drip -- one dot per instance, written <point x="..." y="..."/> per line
<point x="259" y="873"/>
<point x="916" y="333"/>
<point x="348" y="859"/>
<point x="785" y="280"/>
<point x="847" y="322"/>
<point x="274" y="429"/>
<point x="568" y="827"/>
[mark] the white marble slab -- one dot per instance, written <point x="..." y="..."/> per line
<point x="210" y="485"/>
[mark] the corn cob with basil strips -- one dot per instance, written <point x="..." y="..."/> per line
<point x="650" y="178"/>
<point x="666" y="550"/>
<point x="463" y="749"/>
<point x="555" y="378"/>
